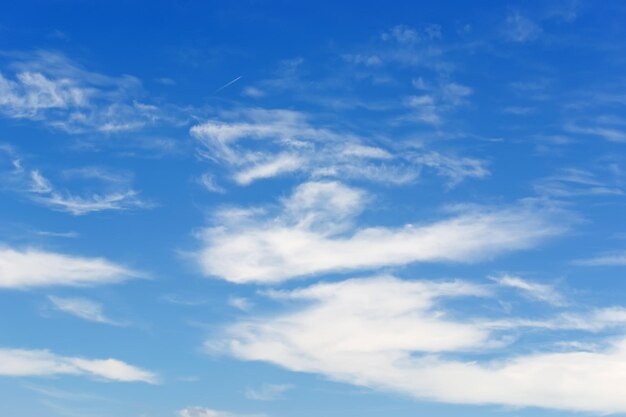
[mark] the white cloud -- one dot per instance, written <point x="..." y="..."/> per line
<point x="116" y="192"/>
<point x="207" y="412"/>
<point x="240" y="303"/>
<point x="78" y="205"/>
<point x="22" y="362"/>
<point x="37" y="268"/>
<point x="430" y="107"/>
<point x="82" y="308"/>
<point x="455" y="169"/>
<point x="395" y="335"/>
<point x="401" y="34"/>
<point x="366" y="60"/>
<point x="594" y="320"/>
<point x="47" y="233"/>
<point x="455" y="94"/>
<point x="519" y="28"/>
<point x="253" y="92"/>
<point x="541" y="292"/>
<point x="292" y="144"/>
<point x="314" y="234"/>
<point x="610" y="133"/>
<point x="267" y="392"/>
<point x="268" y="169"/>
<point x="426" y="109"/>
<point x="612" y="259"/>
<point x="49" y="87"/>
<point x="363" y="151"/>
<point x="32" y="92"/>
<point x="209" y="182"/>
<point x="572" y="182"/>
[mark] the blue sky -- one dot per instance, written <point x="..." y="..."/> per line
<point x="238" y="209"/>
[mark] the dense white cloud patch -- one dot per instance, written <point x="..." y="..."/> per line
<point x="396" y="335"/>
<point x="314" y="233"/>
<point x="37" y="268"/>
<point x="291" y="144"/>
<point x="23" y="363"/>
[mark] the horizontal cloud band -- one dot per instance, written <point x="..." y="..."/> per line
<point x="313" y="235"/>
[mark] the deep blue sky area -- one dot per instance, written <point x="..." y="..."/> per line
<point x="299" y="209"/>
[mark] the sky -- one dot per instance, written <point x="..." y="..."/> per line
<point x="299" y="209"/>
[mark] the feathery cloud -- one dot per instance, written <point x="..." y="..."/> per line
<point x="116" y="192"/>
<point x="82" y="308"/>
<point x="292" y="144"/>
<point x="541" y="292"/>
<point x="47" y="86"/>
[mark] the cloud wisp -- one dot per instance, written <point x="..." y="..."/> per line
<point x="267" y="392"/>
<point x="608" y="259"/>
<point x="28" y="363"/>
<point x="115" y="191"/>
<point x="209" y="412"/>
<point x="534" y="290"/>
<point x="82" y="308"/>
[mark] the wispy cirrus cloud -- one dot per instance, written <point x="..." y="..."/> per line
<point x="268" y="143"/>
<point x="431" y="106"/>
<point x="520" y="28"/>
<point x="574" y="182"/>
<point x="267" y="392"/>
<point x="608" y="132"/>
<point x="209" y="412"/>
<point x="455" y="169"/>
<point x="23" y="363"/>
<point x="48" y="87"/>
<point x="534" y="290"/>
<point x="617" y="258"/>
<point x="115" y="192"/>
<point x="292" y="144"/>
<point x="82" y="308"/>
<point x="29" y="268"/>
<point x="314" y="233"/>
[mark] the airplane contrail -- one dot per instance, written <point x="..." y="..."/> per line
<point x="228" y="83"/>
